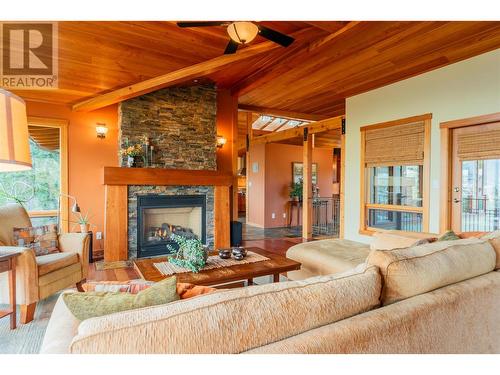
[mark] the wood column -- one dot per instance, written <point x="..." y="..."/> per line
<point x="116" y="223"/>
<point x="222" y="213"/>
<point x="307" y="187"/>
<point x="247" y="162"/>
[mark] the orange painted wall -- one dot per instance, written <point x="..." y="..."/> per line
<point x="87" y="154"/>
<point x="256" y="185"/>
<point x="270" y="187"/>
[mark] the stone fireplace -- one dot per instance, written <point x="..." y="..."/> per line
<point x="180" y="123"/>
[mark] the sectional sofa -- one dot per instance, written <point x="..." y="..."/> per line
<point x="441" y="297"/>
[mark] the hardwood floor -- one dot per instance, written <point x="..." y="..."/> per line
<point x="274" y="245"/>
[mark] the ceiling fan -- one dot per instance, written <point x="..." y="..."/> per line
<point x="243" y="32"/>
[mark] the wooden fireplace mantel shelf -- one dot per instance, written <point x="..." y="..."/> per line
<point x="160" y="176"/>
<point x="117" y="180"/>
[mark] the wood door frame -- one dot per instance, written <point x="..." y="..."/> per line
<point x="62" y="125"/>
<point x="446" y="129"/>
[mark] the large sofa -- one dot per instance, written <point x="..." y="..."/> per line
<point x="442" y="297"/>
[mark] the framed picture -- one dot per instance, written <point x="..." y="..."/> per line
<point x="298" y="172"/>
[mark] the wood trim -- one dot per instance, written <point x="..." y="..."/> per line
<point x="445" y="192"/>
<point x="426" y="176"/>
<point x="334" y="35"/>
<point x="342" y="186"/>
<point x="43" y="213"/>
<point x="362" y="184"/>
<point x="116" y="223"/>
<point x="63" y="144"/>
<point x="222" y="214"/>
<point x="307" y="151"/>
<point x="160" y="176"/>
<point x="291" y="115"/>
<point x="471" y="121"/>
<point x="392" y="207"/>
<point x="313" y="128"/>
<point x="407" y="120"/>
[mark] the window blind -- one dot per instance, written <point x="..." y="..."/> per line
<point x="47" y="138"/>
<point x="476" y="146"/>
<point x="395" y="145"/>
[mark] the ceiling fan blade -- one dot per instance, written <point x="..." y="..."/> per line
<point x="275" y="36"/>
<point x="231" y="47"/>
<point x="201" y="23"/>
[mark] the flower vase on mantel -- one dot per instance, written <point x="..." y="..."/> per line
<point x="130" y="161"/>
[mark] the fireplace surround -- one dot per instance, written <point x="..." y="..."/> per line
<point x="160" y="216"/>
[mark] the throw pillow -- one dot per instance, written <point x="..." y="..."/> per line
<point x="494" y="239"/>
<point x="43" y="239"/>
<point x="184" y="290"/>
<point x="92" y="304"/>
<point x="449" y="236"/>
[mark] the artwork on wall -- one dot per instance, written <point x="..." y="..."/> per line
<point x="298" y="172"/>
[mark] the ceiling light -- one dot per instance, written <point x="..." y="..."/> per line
<point x="14" y="136"/>
<point x="242" y="32"/>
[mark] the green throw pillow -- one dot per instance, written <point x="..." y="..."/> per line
<point x="91" y="304"/>
<point x="449" y="236"/>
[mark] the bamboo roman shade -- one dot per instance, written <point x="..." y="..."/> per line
<point x="46" y="137"/>
<point x="479" y="145"/>
<point x="395" y="145"/>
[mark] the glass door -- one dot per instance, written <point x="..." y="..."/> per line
<point x="476" y="180"/>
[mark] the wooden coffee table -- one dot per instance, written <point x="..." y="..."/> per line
<point x="8" y="264"/>
<point x="274" y="266"/>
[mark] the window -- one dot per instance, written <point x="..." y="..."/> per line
<point x="395" y="175"/>
<point x="38" y="189"/>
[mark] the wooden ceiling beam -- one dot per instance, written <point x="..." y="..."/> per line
<point x="312" y="128"/>
<point x="290" y="115"/>
<point x="327" y="39"/>
<point x="181" y="75"/>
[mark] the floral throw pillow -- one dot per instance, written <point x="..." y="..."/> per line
<point x="42" y="239"/>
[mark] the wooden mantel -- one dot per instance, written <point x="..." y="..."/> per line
<point x="116" y="181"/>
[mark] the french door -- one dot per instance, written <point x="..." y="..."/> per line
<point x="475" y="178"/>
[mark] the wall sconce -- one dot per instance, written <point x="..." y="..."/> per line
<point x="101" y="130"/>
<point x="221" y="141"/>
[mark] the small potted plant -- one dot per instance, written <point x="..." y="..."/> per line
<point x="192" y="254"/>
<point x="131" y="152"/>
<point x="84" y="221"/>
<point x="296" y="190"/>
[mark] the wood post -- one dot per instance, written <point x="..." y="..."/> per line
<point x="222" y="214"/>
<point x="247" y="162"/>
<point x="116" y="223"/>
<point x="307" y="187"/>
<point x="28" y="313"/>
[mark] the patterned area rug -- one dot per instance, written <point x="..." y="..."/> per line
<point x="213" y="261"/>
<point x="26" y="338"/>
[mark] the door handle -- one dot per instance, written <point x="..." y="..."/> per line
<point x="456" y="200"/>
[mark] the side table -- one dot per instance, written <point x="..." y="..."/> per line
<point x="8" y="264"/>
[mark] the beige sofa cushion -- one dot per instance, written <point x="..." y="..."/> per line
<point x="390" y="241"/>
<point x="233" y="321"/>
<point x="52" y="262"/>
<point x="326" y="257"/>
<point x="494" y="239"/>
<point x="420" y="269"/>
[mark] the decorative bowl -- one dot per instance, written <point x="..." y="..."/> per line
<point x="238" y="256"/>
<point x="225" y="253"/>
<point x="239" y="252"/>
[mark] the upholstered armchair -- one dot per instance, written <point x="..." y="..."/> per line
<point x="38" y="277"/>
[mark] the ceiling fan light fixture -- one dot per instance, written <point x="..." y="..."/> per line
<point x="242" y="32"/>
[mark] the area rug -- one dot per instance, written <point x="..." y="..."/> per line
<point x="26" y="338"/>
<point x="102" y="265"/>
<point x="213" y="261"/>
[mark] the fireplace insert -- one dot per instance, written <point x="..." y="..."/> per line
<point x="160" y="216"/>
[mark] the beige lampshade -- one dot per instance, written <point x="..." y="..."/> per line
<point x="14" y="137"/>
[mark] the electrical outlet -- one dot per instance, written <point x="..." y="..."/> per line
<point x="284" y="215"/>
<point x="273" y="216"/>
<point x="98" y="235"/>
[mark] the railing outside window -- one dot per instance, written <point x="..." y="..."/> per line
<point x="480" y="214"/>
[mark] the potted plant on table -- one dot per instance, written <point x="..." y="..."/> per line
<point x="296" y="190"/>
<point x="192" y="254"/>
<point x="84" y="221"/>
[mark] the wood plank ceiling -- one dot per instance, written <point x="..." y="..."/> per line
<point x="308" y="77"/>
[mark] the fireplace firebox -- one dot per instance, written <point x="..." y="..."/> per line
<point x="160" y="216"/>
